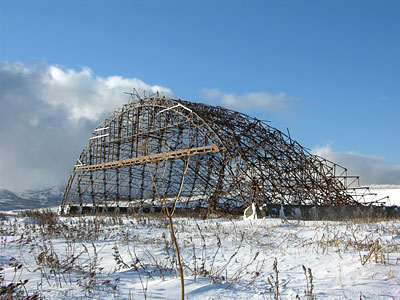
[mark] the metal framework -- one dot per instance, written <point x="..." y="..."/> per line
<point x="232" y="160"/>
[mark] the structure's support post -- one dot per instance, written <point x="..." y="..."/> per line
<point x="117" y="191"/>
<point x="104" y="184"/>
<point x="91" y="176"/>
<point x="79" y="189"/>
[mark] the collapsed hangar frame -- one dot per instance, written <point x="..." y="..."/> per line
<point x="210" y="156"/>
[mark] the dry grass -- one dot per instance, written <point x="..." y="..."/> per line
<point x="212" y="250"/>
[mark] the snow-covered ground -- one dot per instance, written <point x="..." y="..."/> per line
<point x="100" y="257"/>
<point x="126" y="257"/>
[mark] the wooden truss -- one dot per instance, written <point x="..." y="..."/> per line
<point x="233" y="160"/>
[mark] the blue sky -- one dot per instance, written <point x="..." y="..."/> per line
<point x="328" y="70"/>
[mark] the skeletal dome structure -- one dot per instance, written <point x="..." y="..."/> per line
<point x="210" y="157"/>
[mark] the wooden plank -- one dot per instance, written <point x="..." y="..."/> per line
<point x="142" y="160"/>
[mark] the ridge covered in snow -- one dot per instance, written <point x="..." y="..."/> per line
<point x="30" y="198"/>
<point x="52" y="197"/>
<point x="387" y="190"/>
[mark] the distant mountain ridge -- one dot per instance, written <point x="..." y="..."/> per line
<point x="30" y="199"/>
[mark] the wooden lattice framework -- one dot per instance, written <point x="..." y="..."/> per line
<point x="233" y="160"/>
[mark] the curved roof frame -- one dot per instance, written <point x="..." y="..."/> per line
<point x="234" y="160"/>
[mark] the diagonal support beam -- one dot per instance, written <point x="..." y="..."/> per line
<point x="141" y="160"/>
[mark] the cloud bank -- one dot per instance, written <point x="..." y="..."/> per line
<point x="47" y="114"/>
<point x="262" y="101"/>
<point x="371" y="169"/>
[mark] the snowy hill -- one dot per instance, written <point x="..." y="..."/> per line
<point x="30" y="198"/>
<point x="10" y="200"/>
<point x="383" y="190"/>
<point x="52" y="197"/>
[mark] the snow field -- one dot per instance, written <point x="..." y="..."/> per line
<point x="122" y="257"/>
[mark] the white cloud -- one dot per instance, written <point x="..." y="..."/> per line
<point x="263" y="101"/>
<point x="47" y="114"/>
<point x="85" y="95"/>
<point x="371" y="169"/>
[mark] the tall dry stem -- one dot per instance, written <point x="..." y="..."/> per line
<point x="170" y="213"/>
